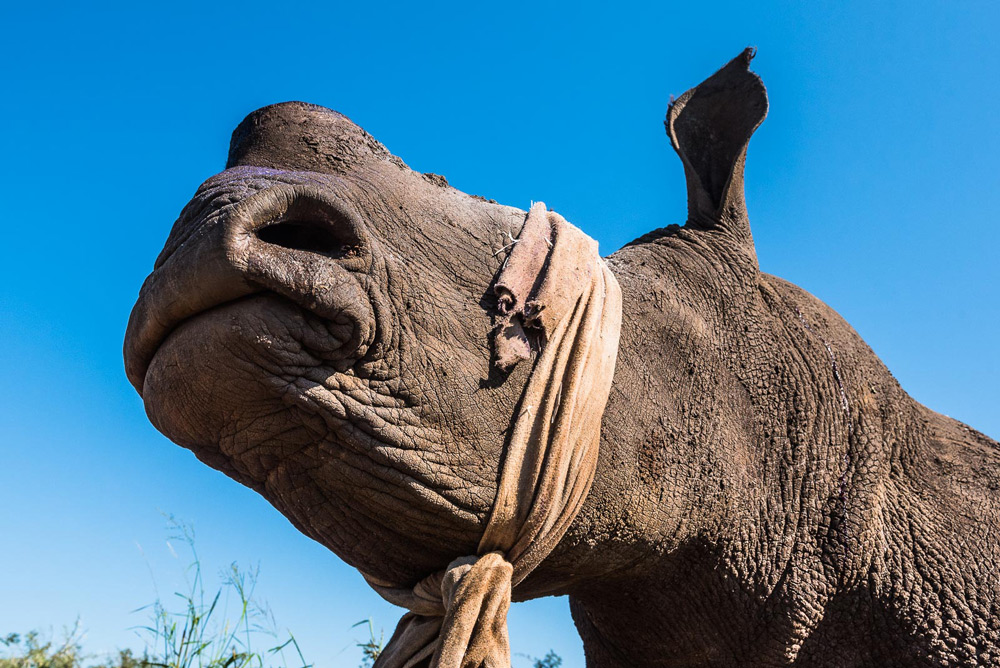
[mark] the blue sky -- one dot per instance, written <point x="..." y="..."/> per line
<point x="872" y="184"/>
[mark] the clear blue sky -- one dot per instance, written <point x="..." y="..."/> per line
<point x="873" y="184"/>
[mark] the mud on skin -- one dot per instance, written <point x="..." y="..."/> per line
<point x="317" y="327"/>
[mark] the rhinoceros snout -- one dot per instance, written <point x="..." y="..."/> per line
<point x="295" y="241"/>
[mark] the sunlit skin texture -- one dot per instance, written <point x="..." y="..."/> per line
<point x="318" y="328"/>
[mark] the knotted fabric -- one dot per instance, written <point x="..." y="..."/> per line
<point x="557" y="298"/>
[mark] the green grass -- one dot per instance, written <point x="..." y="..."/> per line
<point x="371" y="648"/>
<point x="223" y="627"/>
<point x="201" y="633"/>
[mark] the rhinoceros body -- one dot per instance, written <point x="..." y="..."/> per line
<point x="318" y="327"/>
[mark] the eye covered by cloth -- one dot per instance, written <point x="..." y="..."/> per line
<point x="556" y="296"/>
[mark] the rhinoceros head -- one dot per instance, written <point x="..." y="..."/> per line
<point x="318" y="328"/>
<point x="318" y="325"/>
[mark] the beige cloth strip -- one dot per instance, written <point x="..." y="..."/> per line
<point x="556" y="296"/>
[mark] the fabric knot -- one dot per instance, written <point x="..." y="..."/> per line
<point x="458" y="616"/>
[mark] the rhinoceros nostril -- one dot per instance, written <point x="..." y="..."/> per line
<point x="311" y="225"/>
<point x="305" y="236"/>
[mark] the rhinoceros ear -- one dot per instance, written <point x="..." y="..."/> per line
<point x="710" y="127"/>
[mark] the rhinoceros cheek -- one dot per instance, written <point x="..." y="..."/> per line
<point x="223" y="385"/>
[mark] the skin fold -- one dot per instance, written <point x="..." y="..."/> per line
<point x="318" y="327"/>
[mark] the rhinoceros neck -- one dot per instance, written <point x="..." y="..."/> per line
<point x="763" y="481"/>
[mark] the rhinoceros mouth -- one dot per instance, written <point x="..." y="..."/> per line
<point x="167" y="327"/>
<point x="294" y="241"/>
<point x="145" y="339"/>
<point x="150" y="325"/>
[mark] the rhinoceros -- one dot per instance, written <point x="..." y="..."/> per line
<point x="322" y="326"/>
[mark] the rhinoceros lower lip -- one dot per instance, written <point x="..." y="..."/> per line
<point x="149" y="329"/>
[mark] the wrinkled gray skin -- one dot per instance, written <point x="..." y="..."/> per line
<point x="318" y="328"/>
